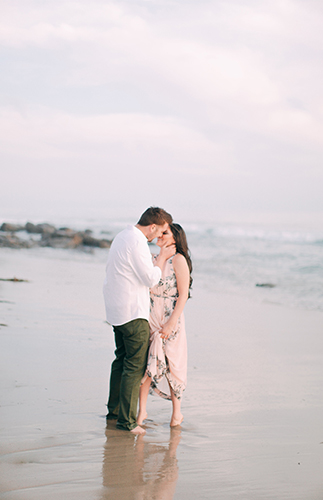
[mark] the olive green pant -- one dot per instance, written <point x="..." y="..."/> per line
<point x="127" y="370"/>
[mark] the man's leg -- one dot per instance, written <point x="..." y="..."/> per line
<point x="116" y="374"/>
<point x="136" y="342"/>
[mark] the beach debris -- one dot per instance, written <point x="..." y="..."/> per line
<point x="49" y="236"/>
<point x="14" y="280"/>
<point x="266" y="285"/>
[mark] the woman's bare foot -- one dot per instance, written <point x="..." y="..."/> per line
<point x="176" y="421"/>
<point x="141" y="418"/>
<point x="138" y="430"/>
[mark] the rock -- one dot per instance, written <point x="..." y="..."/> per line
<point x="40" y="228"/>
<point x="64" y="233"/>
<point x="266" y="285"/>
<point x="105" y="243"/>
<point x="77" y="240"/>
<point x="12" y="241"/>
<point x="59" y="241"/>
<point x="12" y="228"/>
<point x="30" y="228"/>
<point x="46" y="228"/>
<point x="95" y="242"/>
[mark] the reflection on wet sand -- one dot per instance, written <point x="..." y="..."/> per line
<point x="136" y="469"/>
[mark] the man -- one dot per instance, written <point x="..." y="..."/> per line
<point x="130" y="273"/>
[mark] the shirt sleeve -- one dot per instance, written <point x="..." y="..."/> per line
<point x="147" y="273"/>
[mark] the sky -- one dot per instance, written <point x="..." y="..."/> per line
<point x="202" y="107"/>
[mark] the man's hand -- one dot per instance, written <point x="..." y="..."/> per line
<point x="167" y="252"/>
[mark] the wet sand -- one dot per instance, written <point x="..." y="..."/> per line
<point x="253" y="407"/>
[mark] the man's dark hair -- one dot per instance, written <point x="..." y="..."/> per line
<point x="155" y="215"/>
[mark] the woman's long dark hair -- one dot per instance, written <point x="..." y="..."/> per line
<point x="182" y="247"/>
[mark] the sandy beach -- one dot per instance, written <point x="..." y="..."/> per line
<point x="253" y="407"/>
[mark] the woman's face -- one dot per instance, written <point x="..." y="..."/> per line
<point x="166" y="238"/>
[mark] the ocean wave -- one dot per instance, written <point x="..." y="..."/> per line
<point x="242" y="233"/>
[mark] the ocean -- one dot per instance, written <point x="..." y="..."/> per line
<point x="279" y="266"/>
<point x="270" y="260"/>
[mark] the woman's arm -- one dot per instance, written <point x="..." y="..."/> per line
<point x="182" y="274"/>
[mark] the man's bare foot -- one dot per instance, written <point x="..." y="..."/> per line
<point x="141" y="418"/>
<point x="138" y="430"/>
<point x="176" y="421"/>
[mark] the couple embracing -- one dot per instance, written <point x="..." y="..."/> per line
<point x="144" y="299"/>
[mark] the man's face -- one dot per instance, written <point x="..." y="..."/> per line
<point x="166" y="238"/>
<point x="157" y="231"/>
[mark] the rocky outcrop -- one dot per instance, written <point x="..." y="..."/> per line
<point x="50" y="236"/>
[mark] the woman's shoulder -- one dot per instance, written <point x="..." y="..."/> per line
<point x="178" y="257"/>
<point x="179" y="260"/>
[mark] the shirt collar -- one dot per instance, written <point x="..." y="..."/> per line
<point x="136" y="230"/>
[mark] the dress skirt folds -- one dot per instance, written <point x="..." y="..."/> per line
<point x="167" y="358"/>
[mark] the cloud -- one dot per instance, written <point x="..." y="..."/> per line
<point x="115" y="138"/>
<point x="208" y="89"/>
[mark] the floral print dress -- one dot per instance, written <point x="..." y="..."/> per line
<point x="167" y="358"/>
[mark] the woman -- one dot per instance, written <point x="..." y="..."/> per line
<point x="167" y="358"/>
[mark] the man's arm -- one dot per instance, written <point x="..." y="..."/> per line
<point x="148" y="273"/>
<point x="141" y="263"/>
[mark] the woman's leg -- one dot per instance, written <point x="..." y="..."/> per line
<point x="143" y="396"/>
<point x="177" y="417"/>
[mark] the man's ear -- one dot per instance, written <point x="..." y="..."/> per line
<point x="152" y="227"/>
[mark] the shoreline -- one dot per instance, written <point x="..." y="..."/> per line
<point x="252" y="409"/>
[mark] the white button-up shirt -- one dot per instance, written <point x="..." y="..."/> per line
<point x="129" y="275"/>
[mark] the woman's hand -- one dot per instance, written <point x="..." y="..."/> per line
<point x="167" y="330"/>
